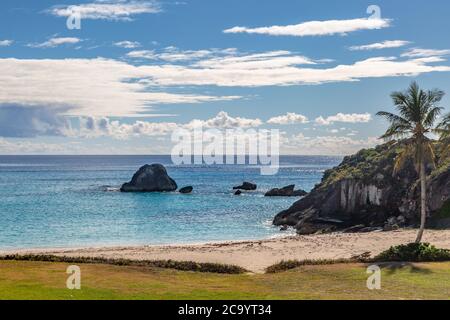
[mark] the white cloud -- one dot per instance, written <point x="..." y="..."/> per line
<point x="27" y="147"/>
<point x="344" y="118"/>
<point x="289" y="118"/>
<point x="225" y="58"/>
<point x="142" y="54"/>
<point x="127" y="44"/>
<point x="62" y="145"/>
<point x="18" y="121"/>
<point x="418" y="53"/>
<point x="93" y="87"/>
<point x="107" y="87"/>
<point x="271" y="71"/>
<point x="266" y="60"/>
<point x="102" y="126"/>
<point x="381" y="45"/>
<point x="223" y="121"/>
<point x="173" y="54"/>
<point x="6" y="43"/>
<point x="316" y="28"/>
<point x="55" y="42"/>
<point x="325" y="145"/>
<point x="107" y="10"/>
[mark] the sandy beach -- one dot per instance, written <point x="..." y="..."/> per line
<point x="257" y="255"/>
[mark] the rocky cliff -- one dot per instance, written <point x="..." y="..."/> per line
<point x="363" y="191"/>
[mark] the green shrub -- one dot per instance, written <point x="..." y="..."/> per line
<point x="285" y="265"/>
<point x="165" y="264"/>
<point x="414" y="252"/>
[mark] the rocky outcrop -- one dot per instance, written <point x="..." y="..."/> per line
<point x="247" y="186"/>
<point x="186" y="190"/>
<point x="286" y="192"/>
<point x="363" y="191"/>
<point x="238" y="193"/>
<point x="150" y="178"/>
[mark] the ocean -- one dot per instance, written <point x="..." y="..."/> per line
<point x="73" y="201"/>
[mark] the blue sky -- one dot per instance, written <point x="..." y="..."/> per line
<point x="316" y="70"/>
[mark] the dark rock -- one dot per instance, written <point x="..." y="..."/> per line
<point x="150" y="178"/>
<point x="299" y="193"/>
<point x="186" y="190"/>
<point x="284" y="228"/>
<point x="391" y="227"/>
<point x="354" y="229"/>
<point x="238" y="193"/>
<point x="370" y="229"/>
<point x="440" y="223"/>
<point x="360" y="228"/>
<point x="394" y="223"/>
<point x="286" y="192"/>
<point x="363" y="190"/>
<point x="248" y="186"/>
<point x="307" y="229"/>
<point x="328" y="220"/>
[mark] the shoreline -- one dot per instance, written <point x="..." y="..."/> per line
<point x="137" y="245"/>
<point x="256" y="255"/>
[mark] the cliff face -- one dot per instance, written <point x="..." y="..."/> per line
<point x="363" y="190"/>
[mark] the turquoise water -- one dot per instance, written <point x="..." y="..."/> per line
<point x="72" y="201"/>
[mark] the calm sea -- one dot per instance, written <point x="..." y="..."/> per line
<point x="72" y="201"/>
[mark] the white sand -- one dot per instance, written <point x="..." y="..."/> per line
<point x="257" y="255"/>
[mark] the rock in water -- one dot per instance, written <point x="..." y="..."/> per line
<point x="286" y="192"/>
<point x="238" y="193"/>
<point x="186" y="190"/>
<point x="248" y="186"/>
<point x="150" y="178"/>
<point x="364" y="192"/>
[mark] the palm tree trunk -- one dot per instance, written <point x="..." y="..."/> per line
<point x="423" y="198"/>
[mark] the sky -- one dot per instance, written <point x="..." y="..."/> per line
<point x="133" y="71"/>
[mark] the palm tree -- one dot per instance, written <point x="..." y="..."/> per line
<point x="418" y="112"/>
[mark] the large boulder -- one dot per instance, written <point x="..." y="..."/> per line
<point x="286" y="192"/>
<point x="247" y="186"/>
<point x="150" y="178"/>
<point x="363" y="190"/>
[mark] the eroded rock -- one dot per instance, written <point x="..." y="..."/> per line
<point x="150" y="178"/>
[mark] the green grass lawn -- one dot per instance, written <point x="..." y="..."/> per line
<point x="47" y="280"/>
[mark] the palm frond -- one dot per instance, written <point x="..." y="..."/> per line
<point x="402" y="158"/>
<point x="399" y="126"/>
<point x="431" y="116"/>
<point x="402" y="103"/>
<point x="443" y="129"/>
<point x="435" y="96"/>
<point x="445" y="153"/>
<point x="429" y="154"/>
<point x="396" y="131"/>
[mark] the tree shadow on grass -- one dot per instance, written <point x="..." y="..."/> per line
<point x="393" y="267"/>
